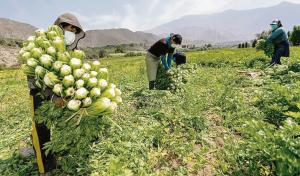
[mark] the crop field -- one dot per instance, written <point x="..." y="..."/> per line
<point x="234" y="117"/>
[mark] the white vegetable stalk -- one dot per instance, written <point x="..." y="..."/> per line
<point x="93" y="73"/>
<point x="51" y="51"/>
<point x="51" y="35"/>
<point x="51" y="79"/>
<point x="78" y="73"/>
<point x="103" y="73"/>
<point x="59" y="44"/>
<point x="87" y="102"/>
<point x="58" y="89"/>
<point x="118" y="100"/>
<point x="70" y="92"/>
<point x="81" y="93"/>
<point x="95" y="92"/>
<point x="64" y="57"/>
<point x="31" y="39"/>
<point x="29" y="46"/>
<point x="102" y="84"/>
<point x="112" y="107"/>
<point x="109" y="93"/>
<point x="79" y="83"/>
<point x="95" y="65"/>
<point x="40" y="71"/>
<point x="75" y="63"/>
<point x="65" y="70"/>
<point x="86" y="77"/>
<point x="40" y="33"/>
<point x="112" y="85"/>
<point x="32" y="62"/>
<point x="118" y="92"/>
<point x="78" y="54"/>
<point x="74" y="105"/>
<point x="36" y="52"/>
<point x="98" y="107"/>
<point x="68" y="81"/>
<point x="87" y="67"/>
<point x="46" y="60"/>
<point x="25" y="56"/>
<point x="57" y="65"/>
<point x="92" y="82"/>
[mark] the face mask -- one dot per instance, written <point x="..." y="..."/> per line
<point x="274" y="26"/>
<point x="69" y="38"/>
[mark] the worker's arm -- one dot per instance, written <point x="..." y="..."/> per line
<point x="274" y="35"/>
<point x="169" y="60"/>
<point x="164" y="62"/>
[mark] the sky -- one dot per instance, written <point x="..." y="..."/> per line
<point x="136" y="15"/>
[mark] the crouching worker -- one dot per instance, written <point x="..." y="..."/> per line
<point x="279" y="39"/>
<point x="161" y="51"/>
<point x="40" y="133"/>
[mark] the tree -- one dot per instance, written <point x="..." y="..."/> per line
<point x="209" y="45"/>
<point x="246" y="45"/>
<point x="254" y="43"/>
<point x="119" y="49"/>
<point x="243" y="45"/>
<point x="102" y="53"/>
<point x="295" y="36"/>
<point x="240" y="45"/>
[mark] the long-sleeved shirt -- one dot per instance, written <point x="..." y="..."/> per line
<point x="277" y="36"/>
<point x="163" y="49"/>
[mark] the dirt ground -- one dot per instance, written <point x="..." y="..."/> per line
<point x="8" y="56"/>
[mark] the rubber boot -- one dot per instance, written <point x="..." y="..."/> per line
<point x="152" y="85"/>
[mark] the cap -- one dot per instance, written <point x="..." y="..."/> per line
<point x="276" y="21"/>
<point x="177" y="39"/>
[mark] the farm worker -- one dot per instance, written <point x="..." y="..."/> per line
<point x="279" y="39"/>
<point x="73" y="32"/>
<point x="162" y="51"/>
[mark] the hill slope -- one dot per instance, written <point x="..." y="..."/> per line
<point x="116" y="36"/>
<point x="94" y="38"/>
<point x="231" y="25"/>
<point x="13" y="29"/>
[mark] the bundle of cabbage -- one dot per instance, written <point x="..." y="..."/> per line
<point x="176" y="78"/>
<point x="263" y="45"/>
<point x="82" y="84"/>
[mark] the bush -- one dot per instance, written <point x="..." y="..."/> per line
<point x="120" y="49"/>
<point x="102" y="53"/>
<point x="132" y="54"/>
<point x="295" y="36"/>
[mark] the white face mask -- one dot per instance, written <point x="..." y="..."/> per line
<point x="69" y="38"/>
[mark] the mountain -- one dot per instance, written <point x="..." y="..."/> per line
<point x="14" y="29"/>
<point x="231" y="25"/>
<point x="96" y="38"/>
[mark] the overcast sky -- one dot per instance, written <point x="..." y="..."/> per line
<point x="131" y="14"/>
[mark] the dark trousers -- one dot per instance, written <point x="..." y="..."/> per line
<point x="281" y="50"/>
<point x="276" y="56"/>
<point x="40" y="136"/>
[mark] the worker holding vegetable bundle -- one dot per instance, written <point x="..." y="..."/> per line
<point x="279" y="39"/>
<point x="162" y="51"/>
<point x="72" y="32"/>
